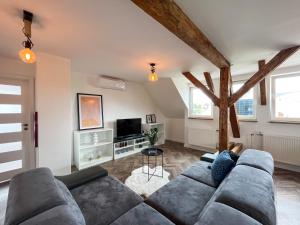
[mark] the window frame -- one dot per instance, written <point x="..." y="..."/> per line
<point x="247" y="118"/>
<point x="273" y="100"/>
<point x="192" y="116"/>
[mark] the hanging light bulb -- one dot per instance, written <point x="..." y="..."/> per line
<point x="152" y="76"/>
<point x="26" y="54"/>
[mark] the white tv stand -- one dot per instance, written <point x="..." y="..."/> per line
<point x="130" y="146"/>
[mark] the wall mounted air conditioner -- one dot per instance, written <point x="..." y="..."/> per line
<point x="108" y="82"/>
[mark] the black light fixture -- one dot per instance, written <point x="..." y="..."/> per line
<point x="26" y="54"/>
<point x="152" y="76"/>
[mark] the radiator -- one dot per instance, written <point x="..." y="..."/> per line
<point x="202" y="137"/>
<point x="285" y="149"/>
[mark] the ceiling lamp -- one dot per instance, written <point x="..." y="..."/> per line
<point x="26" y="54"/>
<point x="152" y="76"/>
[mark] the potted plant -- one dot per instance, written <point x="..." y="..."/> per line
<point x="152" y="135"/>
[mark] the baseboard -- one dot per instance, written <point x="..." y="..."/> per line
<point x="200" y="148"/>
<point x="174" y="140"/>
<point x="286" y="166"/>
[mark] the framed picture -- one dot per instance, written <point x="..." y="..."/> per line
<point x="148" y="118"/>
<point x="153" y="118"/>
<point x="90" y="111"/>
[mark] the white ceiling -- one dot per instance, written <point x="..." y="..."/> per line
<point x="115" y="37"/>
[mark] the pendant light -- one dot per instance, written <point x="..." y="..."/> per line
<point x="26" y="54"/>
<point x="152" y="76"/>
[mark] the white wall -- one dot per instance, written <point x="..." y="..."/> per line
<point x="175" y="129"/>
<point x="15" y="67"/>
<point x="134" y="102"/>
<point x="53" y="103"/>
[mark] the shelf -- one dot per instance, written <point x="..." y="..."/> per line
<point x="118" y="156"/>
<point x="93" y="130"/>
<point x="140" y="143"/>
<point x="127" y="146"/>
<point x="95" y="162"/>
<point x="84" y="146"/>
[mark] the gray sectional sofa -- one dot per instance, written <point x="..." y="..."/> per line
<point x="91" y="197"/>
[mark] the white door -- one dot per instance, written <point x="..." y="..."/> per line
<point x="15" y="127"/>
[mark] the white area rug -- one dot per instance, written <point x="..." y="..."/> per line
<point x="138" y="181"/>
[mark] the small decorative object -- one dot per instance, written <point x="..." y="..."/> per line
<point x="153" y="118"/>
<point x="95" y="138"/>
<point x="152" y="134"/>
<point x="148" y="119"/>
<point x="90" y="111"/>
<point x="152" y="76"/>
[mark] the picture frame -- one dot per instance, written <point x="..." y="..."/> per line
<point x="148" y="118"/>
<point x="153" y="118"/>
<point x="90" y="111"/>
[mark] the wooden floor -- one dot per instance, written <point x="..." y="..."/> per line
<point x="177" y="158"/>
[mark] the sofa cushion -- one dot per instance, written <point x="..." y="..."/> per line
<point x="142" y="214"/>
<point x="201" y="171"/>
<point x="258" y="159"/>
<point x="71" y="202"/>
<point x="31" y="193"/>
<point x="181" y="200"/>
<point x="250" y="191"/>
<point x="218" y="213"/>
<point x="62" y="214"/>
<point x="222" y="165"/>
<point x="104" y="200"/>
<point x="81" y="177"/>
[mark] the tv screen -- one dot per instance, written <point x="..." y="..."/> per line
<point x="129" y="127"/>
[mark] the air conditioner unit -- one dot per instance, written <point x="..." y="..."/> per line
<point x="108" y="82"/>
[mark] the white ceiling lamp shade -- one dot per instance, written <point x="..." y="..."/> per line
<point x="108" y="82"/>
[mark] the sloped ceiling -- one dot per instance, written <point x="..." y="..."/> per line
<point x="166" y="97"/>
<point x="115" y="37"/>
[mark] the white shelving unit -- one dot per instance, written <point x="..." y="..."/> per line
<point x="92" y="147"/>
<point x="161" y="131"/>
<point x="125" y="148"/>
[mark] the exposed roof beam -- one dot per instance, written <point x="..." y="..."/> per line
<point x="235" y="127"/>
<point x="262" y="85"/>
<point x="264" y="71"/>
<point x="201" y="86"/>
<point x="170" y="15"/>
<point x="209" y="81"/>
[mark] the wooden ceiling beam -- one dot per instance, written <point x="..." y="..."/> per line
<point x="264" y="71"/>
<point x="262" y="85"/>
<point x="209" y="81"/>
<point x="201" y="86"/>
<point x="171" y="16"/>
<point x="235" y="127"/>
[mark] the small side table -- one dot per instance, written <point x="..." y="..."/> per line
<point x="153" y="152"/>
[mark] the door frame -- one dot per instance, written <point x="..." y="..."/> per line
<point x="32" y="153"/>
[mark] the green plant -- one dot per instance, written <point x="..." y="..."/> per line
<point x="152" y="134"/>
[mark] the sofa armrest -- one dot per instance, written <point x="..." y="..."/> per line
<point x="81" y="177"/>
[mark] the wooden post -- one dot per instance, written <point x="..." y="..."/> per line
<point x="223" y="109"/>
<point x="262" y="85"/>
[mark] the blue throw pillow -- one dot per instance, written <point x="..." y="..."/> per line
<point x="221" y="166"/>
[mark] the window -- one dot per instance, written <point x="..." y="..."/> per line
<point x="200" y="105"/>
<point x="246" y="105"/>
<point x="286" y="97"/>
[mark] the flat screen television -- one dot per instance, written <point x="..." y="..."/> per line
<point x="129" y="127"/>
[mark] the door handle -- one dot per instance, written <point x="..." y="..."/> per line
<point x="25" y="125"/>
